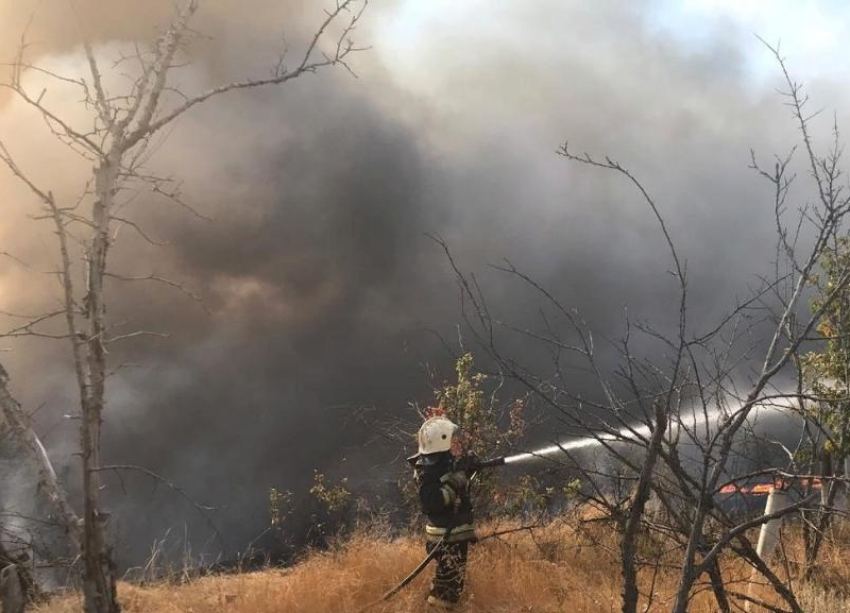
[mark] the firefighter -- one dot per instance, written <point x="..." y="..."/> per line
<point x="445" y="501"/>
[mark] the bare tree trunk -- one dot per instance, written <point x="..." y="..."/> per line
<point x="824" y="519"/>
<point x="631" y="531"/>
<point x="26" y="437"/>
<point x="17" y="585"/>
<point x="13" y="597"/>
<point x="718" y="587"/>
<point x="99" y="568"/>
<point x="123" y="128"/>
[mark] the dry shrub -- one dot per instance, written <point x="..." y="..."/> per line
<point x="816" y="599"/>
<point x="567" y="567"/>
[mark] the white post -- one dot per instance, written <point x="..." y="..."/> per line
<point x="769" y="536"/>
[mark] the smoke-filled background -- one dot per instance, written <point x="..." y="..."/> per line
<point x="322" y="290"/>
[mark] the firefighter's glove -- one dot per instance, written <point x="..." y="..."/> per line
<point x="468" y="464"/>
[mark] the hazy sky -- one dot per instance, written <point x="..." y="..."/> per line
<point x="812" y="31"/>
<point x="322" y="288"/>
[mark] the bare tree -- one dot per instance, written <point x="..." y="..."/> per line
<point x="678" y="429"/>
<point x="118" y="145"/>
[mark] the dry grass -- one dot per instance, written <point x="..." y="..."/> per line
<point x="817" y="599"/>
<point x="553" y="570"/>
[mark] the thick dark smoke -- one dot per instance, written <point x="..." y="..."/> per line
<point x="320" y="282"/>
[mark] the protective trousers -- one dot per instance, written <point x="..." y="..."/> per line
<point x="451" y="570"/>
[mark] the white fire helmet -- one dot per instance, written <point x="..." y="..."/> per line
<point x="435" y="435"/>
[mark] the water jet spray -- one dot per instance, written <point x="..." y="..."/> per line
<point x="627" y="434"/>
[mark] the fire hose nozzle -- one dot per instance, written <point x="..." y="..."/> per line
<point x="491" y="463"/>
<point x="467" y="463"/>
<point x="471" y="464"/>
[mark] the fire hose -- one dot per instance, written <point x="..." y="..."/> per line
<point x="472" y="465"/>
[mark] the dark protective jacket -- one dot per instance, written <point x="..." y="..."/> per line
<point x="444" y="498"/>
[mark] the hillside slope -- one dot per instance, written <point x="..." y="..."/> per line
<point x="551" y="570"/>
